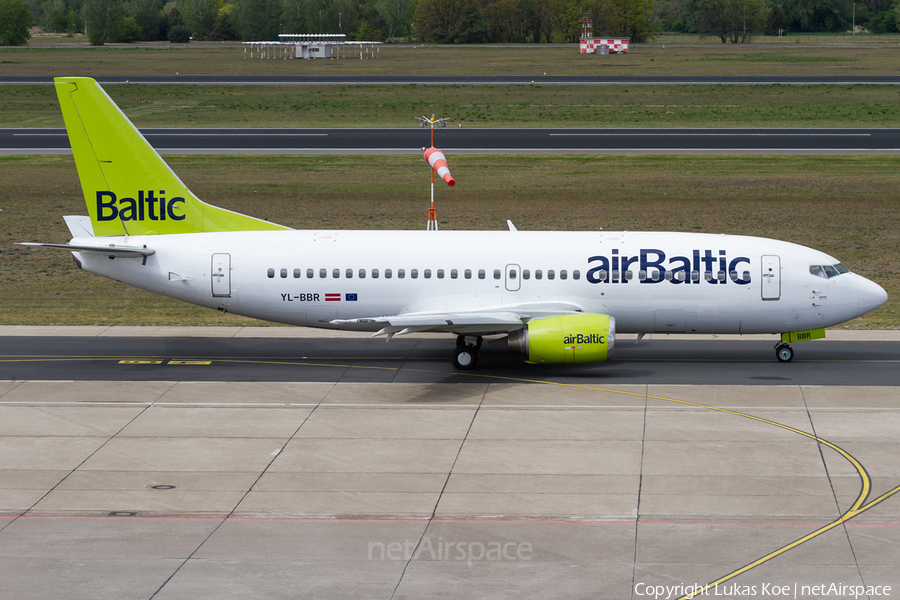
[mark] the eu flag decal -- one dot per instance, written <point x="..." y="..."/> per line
<point x="350" y="297"/>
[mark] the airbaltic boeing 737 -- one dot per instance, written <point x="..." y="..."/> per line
<point x="558" y="297"/>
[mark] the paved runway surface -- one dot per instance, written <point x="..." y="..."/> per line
<point x="360" y="469"/>
<point x="427" y="360"/>
<point x="437" y="79"/>
<point x="487" y="140"/>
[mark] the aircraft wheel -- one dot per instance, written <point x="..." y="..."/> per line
<point x="784" y="353"/>
<point x="465" y="358"/>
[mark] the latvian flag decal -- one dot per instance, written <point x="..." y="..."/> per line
<point x="332" y="297"/>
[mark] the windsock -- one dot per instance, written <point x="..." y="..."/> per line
<point x="438" y="162"/>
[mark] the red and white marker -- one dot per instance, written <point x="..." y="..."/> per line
<point x="438" y="162"/>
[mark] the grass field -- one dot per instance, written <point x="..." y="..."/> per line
<point x="476" y="106"/>
<point x="57" y="55"/>
<point x="846" y="206"/>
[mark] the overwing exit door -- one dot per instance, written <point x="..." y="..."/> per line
<point x="513" y="275"/>
<point x="221" y="275"/>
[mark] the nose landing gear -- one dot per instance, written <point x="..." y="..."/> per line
<point x="784" y="352"/>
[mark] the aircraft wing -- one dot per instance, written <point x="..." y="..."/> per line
<point x="108" y="250"/>
<point x="490" y="320"/>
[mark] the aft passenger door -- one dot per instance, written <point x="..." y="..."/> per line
<point x="771" y="277"/>
<point x="221" y="275"/>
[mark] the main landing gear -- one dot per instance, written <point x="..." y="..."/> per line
<point x="784" y="352"/>
<point x="465" y="356"/>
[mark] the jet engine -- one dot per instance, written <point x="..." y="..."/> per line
<point x="567" y="339"/>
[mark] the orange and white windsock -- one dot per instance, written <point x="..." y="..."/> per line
<point x="438" y="162"/>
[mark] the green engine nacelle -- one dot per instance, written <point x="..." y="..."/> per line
<point x="566" y="339"/>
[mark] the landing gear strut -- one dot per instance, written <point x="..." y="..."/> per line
<point x="465" y="356"/>
<point x="784" y="352"/>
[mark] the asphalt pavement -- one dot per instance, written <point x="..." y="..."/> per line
<point x="576" y="140"/>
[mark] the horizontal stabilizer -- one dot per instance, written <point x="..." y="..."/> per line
<point x="108" y="250"/>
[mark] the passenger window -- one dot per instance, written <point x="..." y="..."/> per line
<point x="468" y="273"/>
<point x="512" y="273"/>
<point x="677" y="277"/>
<point x="733" y="275"/>
<point x="388" y="273"/>
<point x="401" y="273"/>
<point x="323" y="273"/>
<point x="414" y="273"/>
<point x="348" y="273"/>
<point x="440" y="273"/>
<point x="374" y="273"/>
<point x="496" y="273"/>
<point x="336" y="273"/>
<point x="297" y="273"/>
<point x="695" y="275"/>
<point x="271" y="273"/>
<point x="707" y="275"/>
<point x="563" y="274"/>
<point x="526" y="274"/>
<point x="362" y="273"/>
<point x="284" y="273"/>
<point x="538" y="274"/>
<point x="427" y="274"/>
<point x="576" y="274"/>
<point x="551" y="274"/>
<point x="481" y="273"/>
<point x="454" y="273"/>
<point x="721" y="276"/>
<point x="642" y="275"/>
<point x="603" y="274"/>
<point x="309" y="274"/>
<point x="615" y="275"/>
<point x="629" y="275"/>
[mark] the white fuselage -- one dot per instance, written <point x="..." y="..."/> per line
<point x="731" y="284"/>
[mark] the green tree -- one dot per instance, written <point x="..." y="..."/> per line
<point x="15" y="22"/>
<point x="200" y="16"/>
<point x="102" y="18"/>
<point x="259" y="20"/>
<point x="436" y="19"/>
<point x="729" y="20"/>
<point x="396" y="16"/>
<point x="148" y="16"/>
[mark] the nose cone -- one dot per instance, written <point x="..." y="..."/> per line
<point x="871" y="295"/>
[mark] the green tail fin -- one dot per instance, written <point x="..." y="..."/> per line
<point x="128" y="187"/>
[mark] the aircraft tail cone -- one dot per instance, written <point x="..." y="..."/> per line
<point x="438" y="162"/>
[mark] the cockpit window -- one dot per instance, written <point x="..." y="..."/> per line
<point x="828" y="271"/>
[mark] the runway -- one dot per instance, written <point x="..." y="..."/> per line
<point x="485" y="141"/>
<point x="234" y="477"/>
<point x="436" y="79"/>
<point x="678" y="360"/>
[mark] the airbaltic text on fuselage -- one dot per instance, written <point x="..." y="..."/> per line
<point x="146" y="206"/>
<point x="658" y="268"/>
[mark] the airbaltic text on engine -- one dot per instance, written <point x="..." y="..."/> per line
<point x="580" y="338"/>
<point x="129" y="209"/>
<point x="651" y="258"/>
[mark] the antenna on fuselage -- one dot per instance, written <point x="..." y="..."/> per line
<point x="438" y="163"/>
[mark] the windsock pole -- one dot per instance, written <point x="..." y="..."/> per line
<point x="438" y="162"/>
